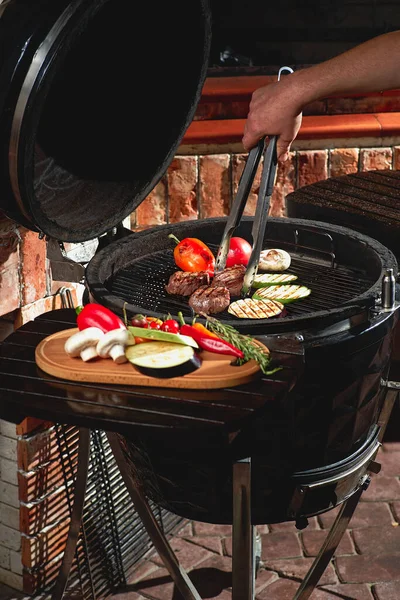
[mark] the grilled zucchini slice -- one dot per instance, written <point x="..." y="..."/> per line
<point x="248" y="308"/>
<point x="282" y="293"/>
<point x="265" y="279"/>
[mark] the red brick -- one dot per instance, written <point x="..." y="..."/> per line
<point x="41" y="447"/>
<point x="382" y="488"/>
<point x="39" y="515"/>
<point x="10" y="285"/>
<point x="313" y="540"/>
<point x="33" y="263"/>
<point x="365" y="515"/>
<point x="390" y="462"/>
<point x="284" y="185"/>
<point x="297" y="568"/>
<point x="282" y="544"/>
<point x="343" y="161"/>
<point x="396" y="511"/>
<point x="31" y="424"/>
<point x="263" y="579"/>
<point x="367" y="568"/>
<point x="375" y="158"/>
<point x="387" y="591"/>
<point x="45" y="547"/>
<point x="343" y="591"/>
<point x="189" y="555"/>
<point x="201" y="528"/>
<point x="282" y="589"/>
<point x="157" y="584"/>
<point x="182" y="186"/>
<point x="312" y="166"/>
<point x="396" y="158"/>
<point x="152" y="211"/>
<point x="214" y="171"/>
<point x="385" y="540"/>
<point x="186" y="530"/>
<point x="390" y="446"/>
<point x="212" y="543"/>
<point x="238" y="162"/>
<point x="44" y="480"/>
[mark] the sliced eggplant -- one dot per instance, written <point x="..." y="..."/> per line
<point x="162" y="336"/>
<point x="282" y="293"/>
<point x="265" y="279"/>
<point x="163" y="359"/>
<point x="248" y="308"/>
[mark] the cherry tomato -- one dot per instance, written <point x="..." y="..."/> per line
<point x="191" y="254"/>
<point x="154" y="325"/>
<point x="139" y="321"/>
<point x="171" y="326"/>
<point x="239" y="252"/>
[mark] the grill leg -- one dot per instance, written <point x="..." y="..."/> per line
<point x="329" y="546"/>
<point x="160" y="542"/>
<point x="76" y="513"/>
<point x="243" y="545"/>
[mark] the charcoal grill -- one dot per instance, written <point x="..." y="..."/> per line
<point x="78" y="154"/>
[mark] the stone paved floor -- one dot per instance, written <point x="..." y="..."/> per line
<point x="366" y="566"/>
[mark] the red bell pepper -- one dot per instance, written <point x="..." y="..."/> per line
<point x="191" y="254"/>
<point x="212" y="344"/>
<point x="96" y="315"/>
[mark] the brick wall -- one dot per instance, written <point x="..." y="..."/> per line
<point x="203" y="185"/>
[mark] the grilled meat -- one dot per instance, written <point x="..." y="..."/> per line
<point x="184" y="283"/>
<point x="231" y="278"/>
<point x="210" y="299"/>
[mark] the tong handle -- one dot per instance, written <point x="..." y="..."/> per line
<point x="261" y="214"/>
<point x="239" y="203"/>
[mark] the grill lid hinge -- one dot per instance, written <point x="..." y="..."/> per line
<point x="62" y="267"/>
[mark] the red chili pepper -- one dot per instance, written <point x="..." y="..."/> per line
<point x="96" y="315"/>
<point x="191" y="254"/>
<point x="211" y="344"/>
<point x="171" y="326"/>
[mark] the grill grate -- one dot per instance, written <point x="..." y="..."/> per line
<point x="142" y="284"/>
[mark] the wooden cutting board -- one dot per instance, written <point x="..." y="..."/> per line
<point x="215" y="372"/>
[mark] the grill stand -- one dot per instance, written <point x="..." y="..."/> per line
<point x="246" y="552"/>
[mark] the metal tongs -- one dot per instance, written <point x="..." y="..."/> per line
<point x="262" y="208"/>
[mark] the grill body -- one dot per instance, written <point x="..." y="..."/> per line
<point x="332" y="412"/>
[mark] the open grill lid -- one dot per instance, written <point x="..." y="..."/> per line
<point x="343" y="269"/>
<point x="96" y="96"/>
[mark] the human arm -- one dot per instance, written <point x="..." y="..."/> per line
<point x="276" y="109"/>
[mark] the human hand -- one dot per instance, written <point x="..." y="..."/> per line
<point x="273" y="110"/>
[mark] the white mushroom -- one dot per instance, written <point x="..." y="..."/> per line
<point x="113" y="344"/>
<point x="274" y="260"/>
<point x="83" y="343"/>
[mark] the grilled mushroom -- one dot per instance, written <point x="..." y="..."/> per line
<point x="274" y="259"/>
<point x="83" y="343"/>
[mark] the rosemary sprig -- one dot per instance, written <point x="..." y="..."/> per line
<point x="245" y="343"/>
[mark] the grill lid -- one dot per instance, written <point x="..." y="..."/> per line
<point x="100" y="94"/>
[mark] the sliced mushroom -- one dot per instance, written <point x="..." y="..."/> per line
<point x="113" y="344"/>
<point x="84" y="343"/>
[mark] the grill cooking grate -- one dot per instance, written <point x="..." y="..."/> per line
<point x="142" y="284"/>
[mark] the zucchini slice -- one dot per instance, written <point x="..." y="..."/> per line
<point x="162" y="336"/>
<point x="248" y="308"/>
<point x="163" y="359"/>
<point x="282" y="293"/>
<point x="266" y="279"/>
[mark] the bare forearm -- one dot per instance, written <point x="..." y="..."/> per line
<point x="276" y="109"/>
<point x="370" y="67"/>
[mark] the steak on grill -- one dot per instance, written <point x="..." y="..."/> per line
<point x="210" y="299"/>
<point x="184" y="283"/>
<point x="231" y="278"/>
